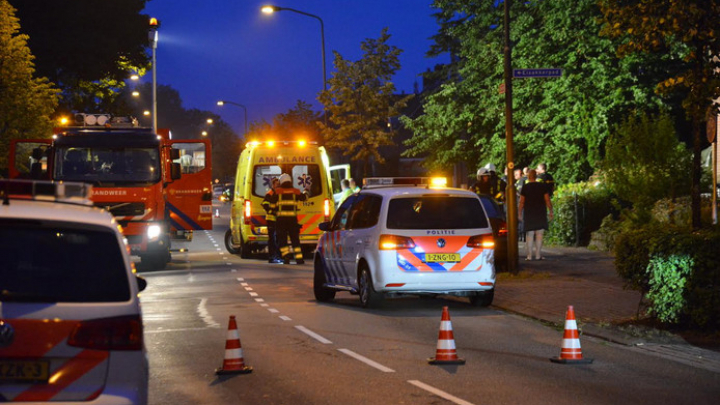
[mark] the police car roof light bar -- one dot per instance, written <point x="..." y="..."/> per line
<point x="63" y="191"/>
<point x="370" y="182"/>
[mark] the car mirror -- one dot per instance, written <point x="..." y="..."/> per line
<point x="142" y="283"/>
<point x="324" y="226"/>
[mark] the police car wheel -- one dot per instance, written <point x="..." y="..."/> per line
<point x="482" y="299"/>
<point x="322" y="294"/>
<point x="368" y="296"/>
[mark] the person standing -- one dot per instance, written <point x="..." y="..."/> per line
<point x="535" y="207"/>
<point x="483" y="185"/>
<point x="288" y="198"/>
<point x="269" y="203"/>
<point x="353" y="186"/>
<point x="546" y="178"/>
<point x="346" y="191"/>
<point x="519" y="182"/>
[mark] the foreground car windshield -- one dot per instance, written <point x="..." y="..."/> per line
<point x="51" y="263"/>
<point x="435" y="212"/>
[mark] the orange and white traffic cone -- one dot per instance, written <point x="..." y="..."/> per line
<point x="217" y="213"/>
<point x="570" y="353"/>
<point x="233" y="362"/>
<point x="446" y="353"/>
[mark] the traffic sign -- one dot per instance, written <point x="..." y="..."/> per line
<point x="525" y="73"/>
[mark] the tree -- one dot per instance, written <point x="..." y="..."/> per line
<point x="687" y="31"/>
<point x="299" y="122"/>
<point x="360" y="101"/>
<point x="26" y="102"/>
<point x="86" y="47"/>
<point x="563" y="122"/>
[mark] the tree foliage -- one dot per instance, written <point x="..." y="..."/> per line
<point x="26" y="101"/>
<point x="360" y="101"/>
<point x="86" y="47"/>
<point x="687" y="31"/>
<point x="645" y="162"/>
<point x="563" y="122"/>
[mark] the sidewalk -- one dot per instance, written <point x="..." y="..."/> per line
<point x="585" y="279"/>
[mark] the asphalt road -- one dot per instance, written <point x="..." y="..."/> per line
<point x="304" y="352"/>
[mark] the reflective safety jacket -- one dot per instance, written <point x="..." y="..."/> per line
<point x="288" y="199"/>
<point x="269" y="203"/>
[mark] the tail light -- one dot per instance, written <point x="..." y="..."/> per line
<point x="485" y="241"/>
<point x="394" y="242"/>
<point x="502" y="229"/>
<point x="120" y="333"/>
<point x="247" y="212"/>
<point x="326" y="209"/>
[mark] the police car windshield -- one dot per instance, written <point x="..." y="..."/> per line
<point x="51" y="262"/>
<point x="305" y="177"/>
<point x="436" y="212"/>
<point x="107" y="165"/>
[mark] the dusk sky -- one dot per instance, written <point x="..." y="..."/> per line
<point x="220" y="49"/>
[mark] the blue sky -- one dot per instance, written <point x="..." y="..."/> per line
<point x="223" y="49"/>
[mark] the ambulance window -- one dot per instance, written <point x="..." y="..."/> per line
<point x="262" y="178"/>
<point x="307" y="177"/>
<point x="192" y="157"/>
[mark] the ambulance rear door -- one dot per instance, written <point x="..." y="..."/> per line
<point x="29" y="159"/>
<point x="189" y="198"/>
<point x="337" y="174"/>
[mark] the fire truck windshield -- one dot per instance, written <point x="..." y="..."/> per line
<point x="107" y="165"/>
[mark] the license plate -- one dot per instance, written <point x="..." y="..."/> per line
<point x="24" y="371"/>
<point x="442" y="257"/>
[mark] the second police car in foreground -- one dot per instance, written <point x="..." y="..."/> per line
<point x="407" y="236"/>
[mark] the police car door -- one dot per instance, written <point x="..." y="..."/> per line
<point x="334" y="244"/>
<point x="362" y="218"/>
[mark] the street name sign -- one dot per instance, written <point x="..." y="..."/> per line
<point x="528" y="73"/>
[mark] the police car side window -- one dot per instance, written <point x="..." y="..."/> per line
<point x="341" y="216"/>
<point x="364" y="214"/>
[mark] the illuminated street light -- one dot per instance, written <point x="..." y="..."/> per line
<point x="153" y="37"/>
<point x="204" y="133"/>
<point x="63" y="120"/>
<point x="134" y="77"/>
<point x="210" y="121"/>
<point x="223" y="102"/>
<point x="146" y="113"/>
<point x="136" y="93"/>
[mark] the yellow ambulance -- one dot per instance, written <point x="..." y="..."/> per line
<point x="308" y="165"/>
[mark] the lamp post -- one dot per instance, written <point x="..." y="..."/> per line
<point x="510" y="203"/>
<point x="223" y="102"/>
<point x="153" y="37"/>
<point x="272" y="9"/>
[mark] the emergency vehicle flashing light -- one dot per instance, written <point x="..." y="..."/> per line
<point x="405" y="181"/>
<point x="272" y="144"/>
<point x="326" y="209"/>
<point x="62" y="191"/>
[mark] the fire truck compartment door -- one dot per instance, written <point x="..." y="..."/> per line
<point x="29" y="159"/>
<point x="189" y="198"/>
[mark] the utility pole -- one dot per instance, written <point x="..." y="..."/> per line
<point x="510" y="197"/>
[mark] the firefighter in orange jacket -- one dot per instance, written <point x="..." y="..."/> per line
<point x="269" y="203"/>
<point x="288" y="198"/>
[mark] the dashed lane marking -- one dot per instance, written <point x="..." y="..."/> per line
<point x="441" y="394"/>
<point x="313" y="334"/>
<point x="285" y="318"/>
<point x="273" y="310"/>
<point x="367" y="361"/>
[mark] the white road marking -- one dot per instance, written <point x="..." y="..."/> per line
<point x="367" y="361"/>
<point x="273" y="310"/>
<point x="253" y="294"/>
<point x="240" y="279"/>
<point x="173" y="330"/>
<point x="285" y="318"/>
<point x="215" y="244"/>
<point x="265" y="305"/>
<point x="441" y="394"/>
<point x="205" y="315"/>
<point x="233" y="271"/>
<point x="248" y="288"/>
<point x="229" y="264"/>
<point x="243" y="284"/>
<point x="313" y="334"/>
<point x="259" y="300"/>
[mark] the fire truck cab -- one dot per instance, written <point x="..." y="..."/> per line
<point x="154" y="186"/>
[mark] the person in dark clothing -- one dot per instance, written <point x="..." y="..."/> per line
<point x="535" y="207"/>
<point x="288" y="198"/>
<point x="546" y="178"/>
<point x="269" y="203"/>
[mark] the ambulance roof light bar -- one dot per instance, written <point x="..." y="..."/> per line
<point x="271" y="143"/>
<point x="67" y="192"/>
<point x="371" y="182"/>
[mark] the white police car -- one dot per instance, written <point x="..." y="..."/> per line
<point x="406" y="236"/>
<point x="70" y="321"/>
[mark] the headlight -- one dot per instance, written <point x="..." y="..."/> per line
<point x="153" y="231"/>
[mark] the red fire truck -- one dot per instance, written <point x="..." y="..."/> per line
<point x="156" y="187"/>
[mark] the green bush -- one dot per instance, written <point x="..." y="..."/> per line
<point x="636" y="249"/>
<point x="668" y="277"/>
<point x="578" y="207"/>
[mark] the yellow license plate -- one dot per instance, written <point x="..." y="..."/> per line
<point x="442" y="257"/>
<point x="24" y="371"/>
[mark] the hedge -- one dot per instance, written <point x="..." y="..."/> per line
<point x="579" y="210"/>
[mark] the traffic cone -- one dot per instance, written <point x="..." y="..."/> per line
<point x="233" y="362"/>
<point x="570" y="353"/>
<point x="446" y="353"/>
<point x="217" y="213"/>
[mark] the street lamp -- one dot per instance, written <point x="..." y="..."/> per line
<point x="223" y="102"/>
<point x="210" y="121"/>
<point x="153" y="37"/>
<point x="271" y="9"/>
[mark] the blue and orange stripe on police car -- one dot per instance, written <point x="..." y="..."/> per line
<point x="413" y="260"/>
